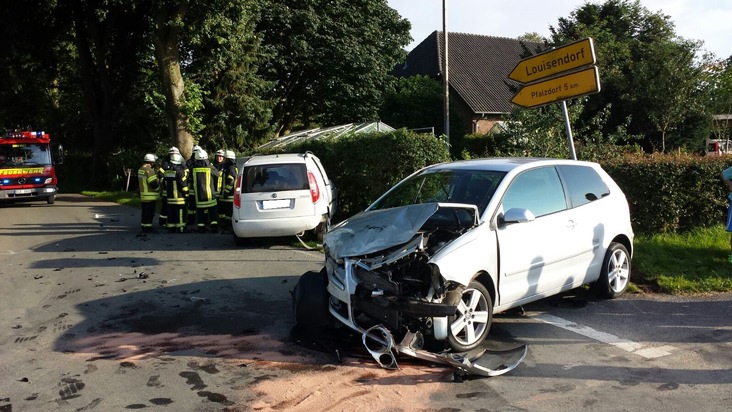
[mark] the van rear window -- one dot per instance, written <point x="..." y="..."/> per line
<point x="275" y="177"/>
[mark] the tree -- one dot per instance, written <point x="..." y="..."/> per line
<point x="207" y="55"/>
<point x="330" y="62"/>
<point x="109" y="39"/>
<point x="720" y="74"/>
<point x="633" y="46"/>
<point x="416" y="102"/>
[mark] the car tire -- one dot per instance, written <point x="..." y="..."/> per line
<point x="51" y="200"/>
<point x="472" y="321"/>
<point x="310" y="301"/>
<point x="615" y="273"/>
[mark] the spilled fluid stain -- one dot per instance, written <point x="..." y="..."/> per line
<point x="193" y="379"/>
<point x="215" y="397"/>
<point x="161" y="401"/>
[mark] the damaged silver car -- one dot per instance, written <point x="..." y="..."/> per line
<point x="440" y="253"/>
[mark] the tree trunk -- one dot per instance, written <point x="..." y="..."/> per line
<point x="166" y="41"/>
<point x="97" y="89"/>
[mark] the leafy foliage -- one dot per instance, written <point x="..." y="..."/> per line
<point x="329" y="64"/>
<point x="648" y="74"/>
<point x="671" y="193"/>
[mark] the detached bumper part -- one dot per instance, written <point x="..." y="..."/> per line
<point x="484" y="363"/>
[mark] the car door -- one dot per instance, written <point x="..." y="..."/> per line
<point x="534" y="255"/>
<point x="587" y="194"/>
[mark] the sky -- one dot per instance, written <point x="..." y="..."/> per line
<point x="707" y="20"/>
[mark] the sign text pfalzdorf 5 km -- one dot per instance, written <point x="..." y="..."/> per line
<point x="579" y="83"/>
<point x="569" y="57"/>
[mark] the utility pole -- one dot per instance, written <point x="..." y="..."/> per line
<point x="445" y="78"/>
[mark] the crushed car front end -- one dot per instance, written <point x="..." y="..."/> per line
<point x="388" y="277"/>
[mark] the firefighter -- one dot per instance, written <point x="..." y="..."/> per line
<point x="191" y="201"/>
<point x="176" y="185"/>
<point x="149" y="189"/>
<point x="203" y="184"/>
<point x="166" y="165"/>
<point x="227" y="179"/>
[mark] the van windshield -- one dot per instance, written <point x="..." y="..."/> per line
<point x="275" y="177"/>
<point x="24" y="154"/>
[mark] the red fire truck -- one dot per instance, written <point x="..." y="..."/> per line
<point x="27" y="167"/>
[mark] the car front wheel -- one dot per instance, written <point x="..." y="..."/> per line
<point x="615" y="273"/>
<point x="469" y="327"/>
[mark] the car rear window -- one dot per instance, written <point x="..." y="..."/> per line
<point x="584" y="184"/>
<point x="274" y="178"/>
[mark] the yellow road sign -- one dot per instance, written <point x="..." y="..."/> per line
<point x="552" y="62"/>
<point x="564" y="87"/>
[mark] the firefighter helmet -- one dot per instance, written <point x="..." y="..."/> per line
<point x="201" y="154"/>
<point x="220" y="152"/>
<point x="150" y="158"/>
<point x="173" y="150"/>
<point x="176" y="159"/>
<point x="230" y="155"/>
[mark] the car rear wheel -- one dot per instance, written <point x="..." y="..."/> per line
<point x="615" y="273"/>
<point x="470" y="325"/>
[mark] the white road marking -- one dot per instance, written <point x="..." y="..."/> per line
<point x="625" y="344"/>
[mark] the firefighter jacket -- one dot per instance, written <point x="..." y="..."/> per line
<point x="166" y="165"/>
<point x="226" y="181"/>
<point x="176" y="184"/>
<point x="203" y="183"/>
<point x="149" y="183"/>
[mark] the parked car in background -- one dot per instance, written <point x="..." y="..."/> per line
<point x="282" y="195"/>
<point x="451" y="245"/>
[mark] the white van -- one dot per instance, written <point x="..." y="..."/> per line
<point x="282" y="195"/>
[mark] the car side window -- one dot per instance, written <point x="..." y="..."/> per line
<point x="583" y="184"/>
<point x="538" y="190"/>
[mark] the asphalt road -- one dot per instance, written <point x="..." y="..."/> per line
<point x="97" y="317"/>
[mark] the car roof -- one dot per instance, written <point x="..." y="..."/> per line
<point x="503" y="164"/>
<point x="276" y="158"/>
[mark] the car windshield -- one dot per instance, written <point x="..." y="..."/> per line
<point x="24" y="154"/>
<point x="474" y="187"/>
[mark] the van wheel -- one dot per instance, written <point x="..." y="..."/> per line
<point x="322" y="229"/>
<point x="51" y="199"/>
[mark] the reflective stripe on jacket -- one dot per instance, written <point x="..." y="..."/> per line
<point x="149" y="184"/>
<point x="176" y="184"/>
<point x="203" y="183"/>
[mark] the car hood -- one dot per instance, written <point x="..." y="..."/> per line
<point x="374" y="230"/>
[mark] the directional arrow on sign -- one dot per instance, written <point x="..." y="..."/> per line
<point x="564" y="87"/>
<point x="552" y="62"/>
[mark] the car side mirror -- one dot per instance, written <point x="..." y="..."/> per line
<point x="518" y="215"/>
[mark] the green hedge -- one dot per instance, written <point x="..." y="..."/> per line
<point x="673" y="192"/>
<point x="364" y="166"/>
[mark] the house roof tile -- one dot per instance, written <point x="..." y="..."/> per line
<point x="478" y="67"/>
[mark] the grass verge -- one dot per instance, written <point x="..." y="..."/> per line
<point x="693" y="262"/>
